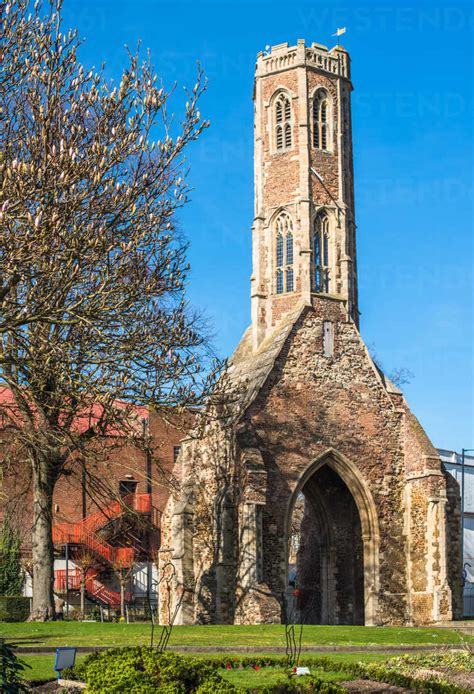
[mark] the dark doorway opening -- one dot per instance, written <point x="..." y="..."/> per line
<point x="326" y="553"/>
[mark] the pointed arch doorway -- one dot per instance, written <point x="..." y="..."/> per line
<point x="333" y="543"/>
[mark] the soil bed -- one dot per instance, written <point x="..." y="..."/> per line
<point x="355" y="686"/>
<point x="461" y="678"/>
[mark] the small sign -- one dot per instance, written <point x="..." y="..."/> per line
<point x="65" y="657"/>
<point x="302" y="671"/>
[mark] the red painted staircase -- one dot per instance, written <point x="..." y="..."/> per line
<point x="82" y="534"/>
<point x="95" y="590"/>
<point x="69" y="533"/>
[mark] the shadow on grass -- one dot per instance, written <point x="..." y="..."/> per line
<point x="26" y="639"/>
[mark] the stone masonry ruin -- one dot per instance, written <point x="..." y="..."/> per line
<point x="311" y="492"/>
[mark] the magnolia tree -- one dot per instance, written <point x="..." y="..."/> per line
<point x="93" y="318"/>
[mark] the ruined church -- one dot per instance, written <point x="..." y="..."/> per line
<point x="308" y="491"/>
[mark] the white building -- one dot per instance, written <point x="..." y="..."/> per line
<point x="454" y="465"/>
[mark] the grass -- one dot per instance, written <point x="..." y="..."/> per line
<point x="249" y="678"/>
<point x="265" y="636"/>
<point x="42" y="667"/>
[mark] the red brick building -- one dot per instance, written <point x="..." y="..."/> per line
<point x="106" y="512"/>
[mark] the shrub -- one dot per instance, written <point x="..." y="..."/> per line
<point x="144" y="670"/>
<point x="73" y="615"/>
<point x="301" y="686"/>
<point x="12" y="576"/>
<point x="78" y="672"/>
<point x="11" y="669"/>
<point x="14" y="608"/>
<point x="215" y="683"/>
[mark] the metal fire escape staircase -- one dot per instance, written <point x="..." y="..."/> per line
<point x="83" y="534"/>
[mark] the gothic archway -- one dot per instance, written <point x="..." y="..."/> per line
<point x="332" y="564"/>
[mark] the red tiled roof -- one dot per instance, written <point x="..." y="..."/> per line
<point x="86" y="419"/>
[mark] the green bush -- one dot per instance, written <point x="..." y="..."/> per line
<point x="14" y="608"/>
<point x="12" y="576"/>
<point x="215" y="683"/>
<point x="301" y="686"/>
<point x="11" y="669"/>
<point x="143" y="670"/>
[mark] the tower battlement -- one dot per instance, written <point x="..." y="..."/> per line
<point x="334" y="61"/>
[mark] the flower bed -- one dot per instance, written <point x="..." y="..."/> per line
<point x="144" y="670"/>
<point x="141" y="669"/>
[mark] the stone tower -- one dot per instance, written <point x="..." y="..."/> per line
<point x="304" y="228"/>
<point x="308" y="490"/>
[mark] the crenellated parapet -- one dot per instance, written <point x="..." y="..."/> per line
<point x="334" y="61"/>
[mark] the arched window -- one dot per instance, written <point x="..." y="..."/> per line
<point x="320" y="273"/>
<point x="284" y="253"/>
<point x="283" y="132"/>
<point x="321" y="120"/>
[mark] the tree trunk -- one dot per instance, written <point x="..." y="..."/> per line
<point x="122" y="598"/>
<point x="42" y="543"/>
<point x="83" y="594"/>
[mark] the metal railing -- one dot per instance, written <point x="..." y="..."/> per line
<point x="95" y="589"/>
<point x="83" y="532"/>
<point x="75" y="534"/>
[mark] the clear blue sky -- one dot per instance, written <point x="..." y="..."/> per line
<point x="412" y="117"/>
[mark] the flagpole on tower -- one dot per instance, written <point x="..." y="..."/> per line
<point x="339" y="32"/>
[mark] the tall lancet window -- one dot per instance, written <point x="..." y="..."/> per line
<point x="284" y="253"/>
<point x="321" y="120"/>
<point x="283" y="133"/>
<point x="321" y="279"/>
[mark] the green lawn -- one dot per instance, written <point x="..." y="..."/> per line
<point x="42" y="667"/>
<point x="249" y="678"/>
<point x="264" y="637"/>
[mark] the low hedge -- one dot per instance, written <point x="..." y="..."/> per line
<point x="14" y="608"/>
<point x="144" y="670"/>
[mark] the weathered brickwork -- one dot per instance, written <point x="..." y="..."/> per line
<point x="322" y="413"/>
<point x="281" y="168"/>
<point x="311" y="435"/>
<point x="302" y="179"/>
<point x="453" y="513"/>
